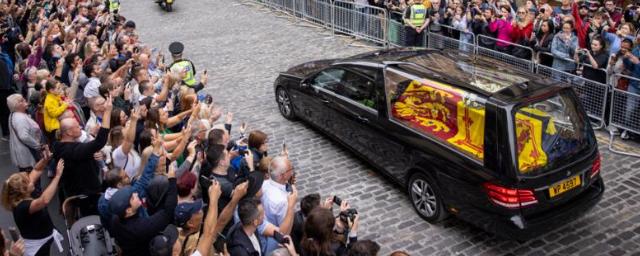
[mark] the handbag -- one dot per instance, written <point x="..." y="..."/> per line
<point x="35" y="153"/>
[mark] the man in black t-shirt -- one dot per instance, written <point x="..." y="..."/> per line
<point x="218" y="159"/>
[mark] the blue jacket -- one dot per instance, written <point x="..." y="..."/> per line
<point x="6" y="71"/>
<point x="634" y="68"/>
<point x="139" y="187"/>
<point x="561" y="50"/>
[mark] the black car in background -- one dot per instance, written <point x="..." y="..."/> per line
<point x="503" y="150"/>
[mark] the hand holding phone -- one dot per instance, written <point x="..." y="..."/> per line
<point x="15" y="236"/>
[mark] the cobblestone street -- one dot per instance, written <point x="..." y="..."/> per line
<point x="244" y="46"/>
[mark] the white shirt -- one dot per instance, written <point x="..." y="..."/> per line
<point x="91" y="89"/>
<point x="274" y="200"/>
<point x="130" y="162"/>
<point x="255" y="243"/>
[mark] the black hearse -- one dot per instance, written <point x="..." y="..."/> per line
<point x="504" y="150"/>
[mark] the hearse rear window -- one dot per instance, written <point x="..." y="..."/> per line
<point x="440" y="111"/>
<point x="549" y="133"/>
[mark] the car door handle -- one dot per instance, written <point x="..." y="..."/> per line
<point x="363" y="119"/>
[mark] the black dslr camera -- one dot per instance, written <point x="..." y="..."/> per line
<point x="348" y="215"/>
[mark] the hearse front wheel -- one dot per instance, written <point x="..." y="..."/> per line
<point x="284" y="104"/>
<point x="426" y="198"/>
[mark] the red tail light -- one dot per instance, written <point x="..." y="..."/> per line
<point x="510" y="198"/>
<point x="595" y="168"/>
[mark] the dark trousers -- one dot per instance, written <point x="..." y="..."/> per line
<point x="414" y="38"/>
<point x="4" y="111"/>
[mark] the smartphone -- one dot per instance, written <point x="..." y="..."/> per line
<point x="15" y="236"/>
<point x="337" y="200"/>
<point x="280" y="238"/>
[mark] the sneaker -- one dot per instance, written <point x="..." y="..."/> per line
<point x="625" y="135"/>
<point x="613" y="130"/>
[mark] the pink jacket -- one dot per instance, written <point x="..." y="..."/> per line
<point x="503" y="29"/>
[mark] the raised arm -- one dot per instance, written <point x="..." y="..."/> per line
<point x="44" y="199"/>
<point x="227" y="212"/>
<point x="287" y="224"/>
<point x="130" y="133"/>
<point x="209" y="234"/>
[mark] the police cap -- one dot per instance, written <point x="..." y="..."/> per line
<point x="176" y="48"/>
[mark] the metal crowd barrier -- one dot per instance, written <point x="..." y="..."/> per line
<point x="396" y="34"/>
<point x="451" y="38"/>
<point x="625" y="109"/>
<point x="361" y="21"/>
<point x="316" y="11"/>
<point x="526" y="65"/>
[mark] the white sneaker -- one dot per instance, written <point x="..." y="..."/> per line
<point x="624" y="135"/>
<point x="613" y="130"/>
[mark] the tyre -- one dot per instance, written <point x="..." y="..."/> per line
<point x="284" y="103"/>
<point x="426" y="198"/>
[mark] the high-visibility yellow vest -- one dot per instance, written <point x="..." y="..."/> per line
<point x="190" y="78"/>
<point x="418" y="15"/>
<point x="114" y="5"/>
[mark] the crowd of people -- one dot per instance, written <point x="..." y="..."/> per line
<point x="124" y="135"/>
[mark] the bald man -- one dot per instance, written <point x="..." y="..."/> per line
<point x="81" y="171"/>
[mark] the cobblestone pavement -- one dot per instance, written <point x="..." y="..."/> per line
<point x="245" y="46"/>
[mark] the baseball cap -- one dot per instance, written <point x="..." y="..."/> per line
<point x="162" y="244"/>
<point x="185" y="210"/>
<point x="119" y="202"/>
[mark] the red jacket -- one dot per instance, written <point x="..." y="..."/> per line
<point x="580" y="26"/>
<point x="518" y="34"/>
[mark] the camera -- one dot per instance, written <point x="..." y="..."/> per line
<point x="349" y="214"/>
<point x="542" y="10"/>
<point x="280" y="238"/>
<point x="582" y="52"/>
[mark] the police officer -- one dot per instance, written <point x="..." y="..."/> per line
<point x="114" y="6"/>
<point x="415" y="21"/>
<point x="183" y="65"/>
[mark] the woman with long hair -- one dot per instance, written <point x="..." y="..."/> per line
<point x="31" y="215"/>
<point x="563" y="47"/>
<point x="318" y="230"/>
<point x="596" y="58"/>
<point x="541" y="43"/>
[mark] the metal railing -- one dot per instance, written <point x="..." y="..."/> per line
<point x="362" y="21"/>
<point x="376" y="25"/>
<point x="625" y="109"/>
<point x="524" y="64"/>
<point x="451" y="38"/>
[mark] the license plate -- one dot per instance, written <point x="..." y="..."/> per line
<point x="564" y="186"/>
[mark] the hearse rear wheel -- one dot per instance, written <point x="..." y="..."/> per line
<point x="426" y="198"/>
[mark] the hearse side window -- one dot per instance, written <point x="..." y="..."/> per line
<point x="329" y="79"/>
<point x="348" y="84"/>
<point x="445" y="113"/>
